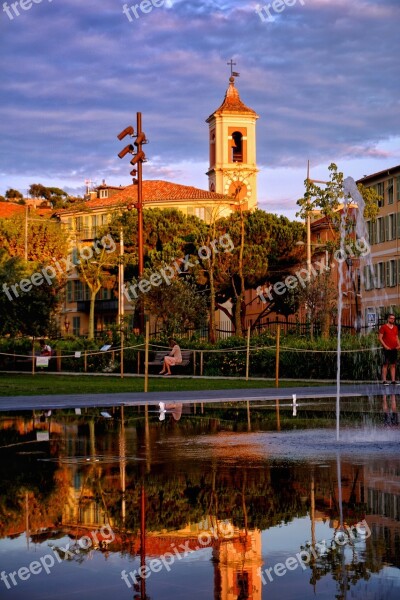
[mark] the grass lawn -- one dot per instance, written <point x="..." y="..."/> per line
<point x="45" y="384"/>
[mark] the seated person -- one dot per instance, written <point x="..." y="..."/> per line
<point x="45" y="349"/>
<point x="174" y="358"/>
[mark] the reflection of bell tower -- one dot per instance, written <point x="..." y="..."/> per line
<point x="237" y="564"/>
<point x="233" y="168"/>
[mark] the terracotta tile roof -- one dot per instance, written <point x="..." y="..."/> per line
<point x="232" y="102"/>
<point x="153" y="191"/>
<point x="9" y="209"/>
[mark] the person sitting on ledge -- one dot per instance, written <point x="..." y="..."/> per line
<point x="174" y="358"/>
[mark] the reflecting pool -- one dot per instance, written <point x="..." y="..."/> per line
<point x="228" y="501"/>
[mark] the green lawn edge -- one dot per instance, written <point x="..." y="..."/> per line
<point x="46" y="384"/>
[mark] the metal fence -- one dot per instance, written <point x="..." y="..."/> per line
<point x="287" y="325"/>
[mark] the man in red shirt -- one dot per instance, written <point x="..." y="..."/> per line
<point x="389" y="338"/>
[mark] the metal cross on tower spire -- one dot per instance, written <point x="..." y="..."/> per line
<point x="231" y="64"/>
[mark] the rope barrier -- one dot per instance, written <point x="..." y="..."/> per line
<point x="205" y="350"/>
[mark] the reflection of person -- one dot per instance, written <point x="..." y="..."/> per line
<point x="174" y="358"/>
<point x="175" y="408"/>
<point x="45" y="349"/>
<point x="389" y="339"/>
<point x="390" y="417"/>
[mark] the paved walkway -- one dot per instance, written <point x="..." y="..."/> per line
<point x="18" y="403"/>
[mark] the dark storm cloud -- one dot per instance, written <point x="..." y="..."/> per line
<point x="323" y="78"/>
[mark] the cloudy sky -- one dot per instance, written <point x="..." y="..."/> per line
<point x="323" y="75"/>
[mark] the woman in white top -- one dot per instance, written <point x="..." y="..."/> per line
<point x="174" y="358"/>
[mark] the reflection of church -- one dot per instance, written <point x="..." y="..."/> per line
<point x="236" y="564"/>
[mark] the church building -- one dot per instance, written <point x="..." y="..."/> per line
<point x="232" y="183"/>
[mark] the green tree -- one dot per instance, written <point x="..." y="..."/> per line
<point x="37" y="190"/>
<point x="46" y="239"/>
<point x="168" y="237"/>
<point x="26" y="313"/>
<point x="178" y="306"/>
<point x="14" y="195"/>
<point x="330" y="202"/>
<point x="329" y="199"/>
<point x="97" y="272"/>
<point x="263" y="243"/>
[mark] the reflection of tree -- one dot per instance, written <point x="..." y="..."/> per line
<point x="40" y="485"/>
<point x="340" y="557"/>
<point x="335" y="561"/>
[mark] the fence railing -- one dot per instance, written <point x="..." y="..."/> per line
<point x="271" y="360"/>
<point x="267" y="325"/>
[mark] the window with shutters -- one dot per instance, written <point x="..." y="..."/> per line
<point x="69" y="291"/>
<point x="391" y="273"/>
<point x="95" y="224"/>
<point x="200" y="212"/>
<point x="76" y="326"/>
<point x="390" y="190"/>
<point x="371" y="228"/>
<point x="390" y="227"/>
<point x="380" y="189"/>
<point x="379" y="275"/>
<point x="380" y="230"/>
<point x="78" y="290"/>
<point x="369" y="276"/>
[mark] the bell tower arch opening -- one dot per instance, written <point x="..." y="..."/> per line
<point x="237" y="147"/>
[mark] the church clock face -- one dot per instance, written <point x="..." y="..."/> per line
<point x="240" y="190"/>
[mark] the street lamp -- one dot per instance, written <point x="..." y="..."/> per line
<point x="137" y="161"/>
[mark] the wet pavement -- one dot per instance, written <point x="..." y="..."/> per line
<point x="18" y="403"/>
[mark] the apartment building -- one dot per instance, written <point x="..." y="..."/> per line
<point x="381" y="274"/>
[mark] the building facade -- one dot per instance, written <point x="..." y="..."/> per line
<point x="381" y="274"/>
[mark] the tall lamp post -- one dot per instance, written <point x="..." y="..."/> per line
<point x="137" y="161"/>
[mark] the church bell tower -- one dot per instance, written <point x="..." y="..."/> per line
<point x="232" y="140"/>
